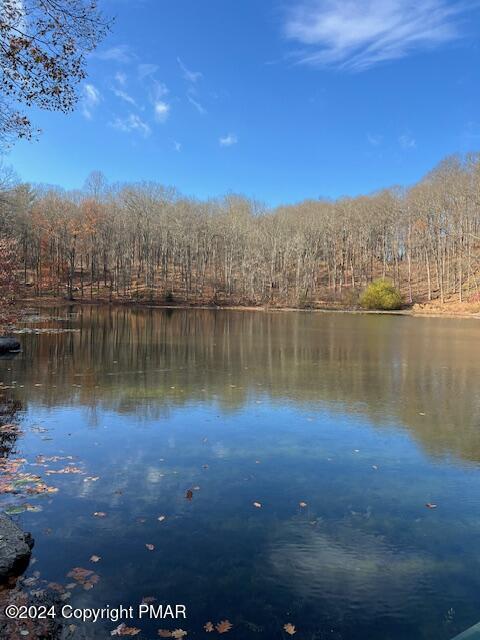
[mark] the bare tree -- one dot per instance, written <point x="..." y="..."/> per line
<point x="43" y="49"/>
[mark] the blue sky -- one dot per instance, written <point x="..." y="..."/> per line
<point x="277" y="100"/>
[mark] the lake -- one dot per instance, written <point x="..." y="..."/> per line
<point x="173" y="423"/>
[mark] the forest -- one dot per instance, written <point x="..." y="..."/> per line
<point x="145" y="242"/>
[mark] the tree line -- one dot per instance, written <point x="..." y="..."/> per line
<point x="147" y="242"/>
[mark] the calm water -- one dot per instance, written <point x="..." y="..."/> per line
<point x="364" y="418"/>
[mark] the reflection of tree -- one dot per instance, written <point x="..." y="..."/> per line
<point x="9" y="430"/>
<point x="389" y="369"/>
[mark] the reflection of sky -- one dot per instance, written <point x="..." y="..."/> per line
<point x="365" y="546"/>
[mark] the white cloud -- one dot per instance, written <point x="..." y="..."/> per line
<point x="120" y="53"/>
<point x="121" y="78"/>
<point x="190" y="76"/>
<point x="145" y="70"/>
<point x="406" y="141"/>
<point x="197" y="105"/>
<point x="357" y="34"/>
<point x="132" y="123"/>
<point x="162" y="111"/>
<point x="177" y="146"/>
<point x="123" y="95"/>
<point x="228" y="141"/>
<point x="159" y="89"/>
<point x="91" y="99"/>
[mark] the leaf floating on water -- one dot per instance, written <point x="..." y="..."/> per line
<point x="161" y="518"/>
<point x="65" y="470"/>
<point x="86" y="577"/>
<point x="150" y="547"/>
<point x="100" y="514"/>
<point x="91" y="478"/>
<point x="164" y="633"/>
<point x="258" y="505"/>
<point x="123" y="630"/>
<point x="374" y="467"/>
<point x="95" y="558"/>
<point x="178" y="633"/>
<point x="289" y="628"/>
<point x="209" y="627"/>
<point x="431" y="505"/>
<point x="196" y="488"/>
<point x="223" y="626"/>
<point x="14" y="511"/>
<point x="189" y="494"/>
<point x="303" y="504"/>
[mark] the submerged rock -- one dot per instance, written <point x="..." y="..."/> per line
<point x="15" y="548"/>
<point x="9" y="344"/>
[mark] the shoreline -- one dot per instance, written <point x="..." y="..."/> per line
<point x="50" y="301"/>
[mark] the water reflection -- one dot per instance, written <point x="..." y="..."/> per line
<point x="363" y="419"/>
<point x="392" y="369"/>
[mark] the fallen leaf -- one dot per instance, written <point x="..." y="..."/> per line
<point x="95" y="558"/>
<point x="223" y="626"/>
<point x="148" y="600"/>
<point x="302" y="504"/>
<point x="189" y="494"/>
<point x="178" y="633"/>
<point x="100" y="514"/>
<point x="123" y="630"/>
<point x="161" y="518"/>
<point x="289" y="628"/>
<point x="258" y="505"/>
<point x="164" y="633"/>
<point x="430" y="505"/>
<point x="150" y="547"/>
<point x="209" y="627"/>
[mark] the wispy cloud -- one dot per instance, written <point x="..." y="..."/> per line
<point x="228" y="141"/>
<point x="197" y="105"/>
<point x="146" y="70"/>
<point x="406" y="141"/>
<point x="358" y="34"/>
<point x="121" y="78"/>
<point x="374" y="140"/>
<point x="90" y="100"/>
<point x="190" y="76"/>
<point x="123" y="95"/>
<point x="120" y="53"/>
<point x="177" y="146"/>
<point x="132" y="124"/>
<point x="162" y="111"/>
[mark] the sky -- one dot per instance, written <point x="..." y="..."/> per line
<point x="277" y="100"/>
